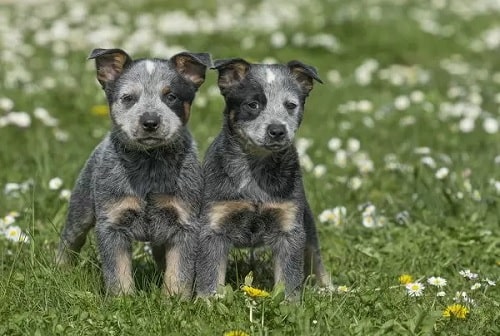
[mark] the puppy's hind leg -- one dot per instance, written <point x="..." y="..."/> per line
<point x="312" y="256"/>
<point x="81" y="218"/>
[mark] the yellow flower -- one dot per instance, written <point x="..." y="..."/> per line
<point x="235" y="333"/>
<point x="254" y="292"/>
<point x="99" y="110"/>
<point x="456" y="310"/>
<point x="405" y="279"/>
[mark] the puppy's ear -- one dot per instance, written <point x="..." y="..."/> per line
<point x="109" y="63"/>
<point x="304" y="74"/>
<point x="192" y="66"/>
<point x="231" y="72"/>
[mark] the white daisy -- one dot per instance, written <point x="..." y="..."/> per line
<point x="15" y="234"/>
<point x="468" y="274"/>
<point x="437" y="281"/>
<point x="440" y="294"/>
<point x="334" y="144"/>
<point x="415" y="288"/>
<point x="55" y="183"/>
<point x="475" y="286"/>
<point x="65" y="194"/>
<point x="442" y="172"/>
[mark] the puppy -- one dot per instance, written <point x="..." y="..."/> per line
<point x="253" y="192"/>
<point x="143" y="181"/>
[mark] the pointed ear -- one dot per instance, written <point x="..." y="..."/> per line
<point x="109" y="63"/>
<point x="192" y="66"/>
<point x="231" y="72"/>
<point x="304" y="74"/>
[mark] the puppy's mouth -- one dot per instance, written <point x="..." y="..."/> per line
<point x="276" y="147"/>
<point x="151" y="141"/>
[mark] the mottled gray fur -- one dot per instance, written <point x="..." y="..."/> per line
<point x="253" y="193"/>
<point x="143" y="181"/>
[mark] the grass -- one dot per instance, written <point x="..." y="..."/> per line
<point x="452" y="223"/>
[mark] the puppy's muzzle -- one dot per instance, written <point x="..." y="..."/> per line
<point x="149" y="121"/>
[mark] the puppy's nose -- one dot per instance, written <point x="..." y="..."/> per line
<point x="276" y="131"/>
<point x="150" y="121"/>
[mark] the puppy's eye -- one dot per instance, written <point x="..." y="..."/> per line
<point x="290" y="106"/>
<point x="128" y="99"/>
<point x="170" y="97"/>
<point x="253" y="105"/>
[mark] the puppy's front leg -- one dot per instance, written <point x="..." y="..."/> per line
<point x="115" y="248"/>
<point x="313" y="263"/>
<point x="180" y="261"/>
<point x="288" y="255"/>
<point x="211" y="263"/>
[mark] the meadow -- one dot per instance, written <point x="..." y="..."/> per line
<point x="400" y="149"/>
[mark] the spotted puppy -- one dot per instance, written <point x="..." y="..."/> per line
<point x="253" y="192"/>
<point x="143" y="181"/>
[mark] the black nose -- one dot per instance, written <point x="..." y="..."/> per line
<point x="276" y="131"/>
<point x="150" y="121"/>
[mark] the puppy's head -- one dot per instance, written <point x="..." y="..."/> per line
<point x="265" y="102"/>
<point x="149" y="99"/>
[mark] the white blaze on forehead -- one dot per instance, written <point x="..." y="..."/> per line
<point x="270" y="76"/>
<point x="150" y="67"/>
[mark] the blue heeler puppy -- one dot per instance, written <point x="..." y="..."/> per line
<point x="253" y="192"/>
<point x="143" y="181"/>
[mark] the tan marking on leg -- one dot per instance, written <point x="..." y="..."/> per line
<point x="124" y="273"/>
<point x="285" y="213"/>
<point x="172" y="284"/>
<point x="181" y="209"/>
<point x="221" y="210"/>
<point x="114" y="210"/>
<point x="221" y="273"/>
<point x="313" y="266"/>
<point x="187" y="111"/>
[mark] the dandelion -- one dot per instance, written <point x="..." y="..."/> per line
<point x="456" y="310"/>
<point x="236" y="333"/>
<point x="442" y="172"/>
<point x="440" y="294"/>
<point x="415" y="288"/>
<point x="437" y="281"/>
<point x="55" y="183"/>
<point x="342" y="289"/>
<point x="405" y="279"/>
<point x="254" y="292"/>
<point x="100" y="110"/>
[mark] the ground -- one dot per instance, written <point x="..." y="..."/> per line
<point x="400" y="149"/>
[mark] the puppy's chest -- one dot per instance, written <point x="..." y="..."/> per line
<point x="248" y="223"/>
<point x="153" y="219"/>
